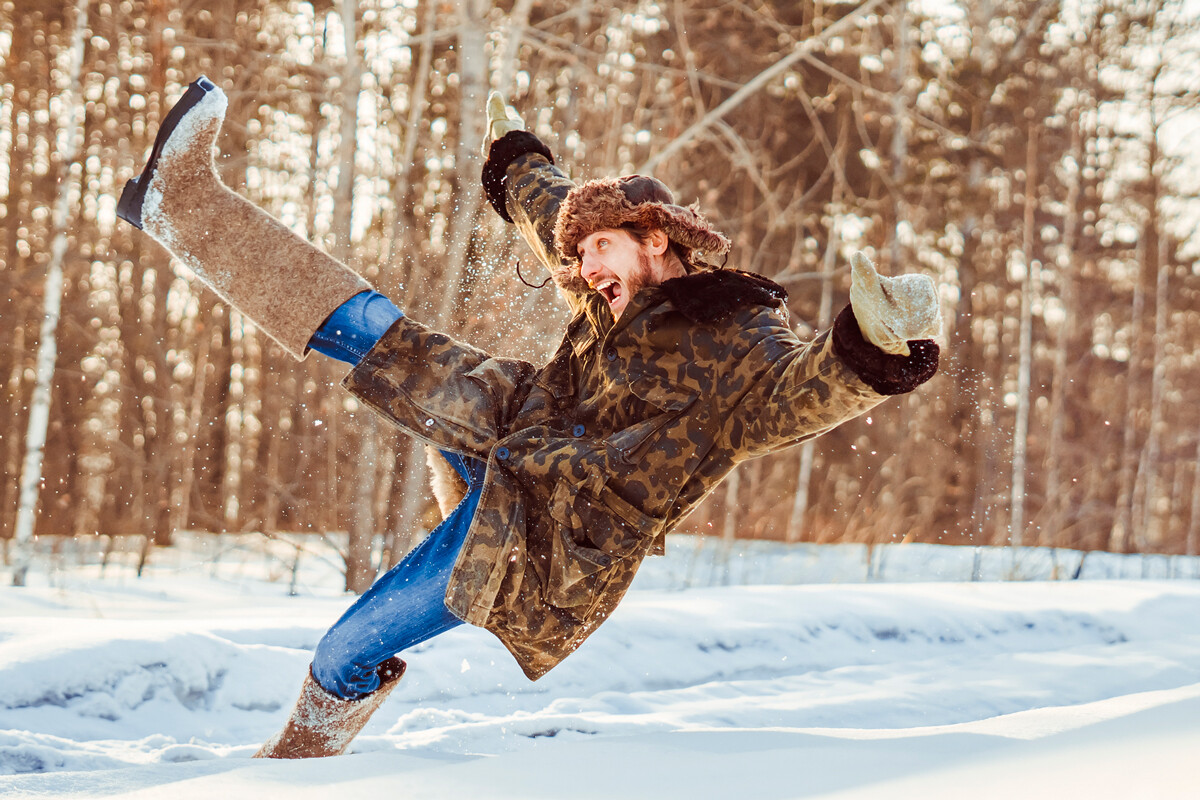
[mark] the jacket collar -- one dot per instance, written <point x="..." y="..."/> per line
<point x="714" y="296"/>
<point x="710" y="297"/>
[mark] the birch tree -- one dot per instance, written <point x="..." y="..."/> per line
<point x="362" y="528"/>
<point x="47" y="355"/>
<point x="1027" y="278"/>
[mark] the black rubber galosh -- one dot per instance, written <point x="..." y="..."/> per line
<point x="129" y="207"/>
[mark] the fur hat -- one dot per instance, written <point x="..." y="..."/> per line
<point x="639" y="200"/>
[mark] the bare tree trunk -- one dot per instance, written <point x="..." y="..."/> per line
<point x="231" y="454"/>
<point x="1146" y="485"/>
<point x="900" y="120"/>
<point x="359" y="570"/>
<point x="1025" y="367"/>
<point x="473" y="85"/>
<point x="518" y="21"/>
<point x="273" y="414"/>
<point x="733" y="485"/>
<point x="1193" y="534"/>
<point x="1121" y="534"/>
<point x="351" y="83"/>
<point x="17" y="69"/>
<point x="12" y="449"/>
<point x="416" y="107"/>
<point x="1058" y="497"/>
<point x="39" y="407"/>
<point x="181" y="495"/>
<point x="795" y="527"/>
<point x="1174" y="518"/>
<point x="413" y="494"/>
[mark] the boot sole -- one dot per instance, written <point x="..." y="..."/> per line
<point x="129" y="207"/>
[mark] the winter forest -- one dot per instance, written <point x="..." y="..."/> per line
<point x="1037" y="159"/>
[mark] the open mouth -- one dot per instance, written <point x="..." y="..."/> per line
<point x="611" y="289"/>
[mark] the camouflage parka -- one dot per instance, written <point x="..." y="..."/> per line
<point x="595" y="456"/>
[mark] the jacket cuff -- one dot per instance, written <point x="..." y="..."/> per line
<point x="885" y="373"/>
<point x="502" y="152"/>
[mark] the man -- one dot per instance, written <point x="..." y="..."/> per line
<point x="671" y="372"/>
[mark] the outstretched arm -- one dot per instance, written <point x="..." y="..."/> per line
<point x="882" y="344"/>
<point x="525" y="187"/>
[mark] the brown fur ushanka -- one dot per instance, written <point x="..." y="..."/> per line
<point x="606" y="203"/>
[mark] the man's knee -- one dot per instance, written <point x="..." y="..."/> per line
<point x="339" y="669"/>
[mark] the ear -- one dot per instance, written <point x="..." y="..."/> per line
<point x="657" y="241"/>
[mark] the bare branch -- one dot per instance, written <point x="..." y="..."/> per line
<point x="757" y="83"/>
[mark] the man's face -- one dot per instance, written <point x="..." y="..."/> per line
<point x="616" y="265"/>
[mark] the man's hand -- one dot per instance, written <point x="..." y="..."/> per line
<point x="892" y="312"/>
<point x="501" y="119"/>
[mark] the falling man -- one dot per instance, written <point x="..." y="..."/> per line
<point x="556" y="481"/>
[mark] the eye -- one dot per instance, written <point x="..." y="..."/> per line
<point x="601" y="244"/>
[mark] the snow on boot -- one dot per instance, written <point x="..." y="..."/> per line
<point x="322" y="724"/>
<point x="251" y="260"/>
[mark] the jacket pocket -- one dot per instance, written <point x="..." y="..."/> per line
<point x="664" y="402"/>
<point x="593" y="530"/>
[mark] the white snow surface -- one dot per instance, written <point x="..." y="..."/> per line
<point x="164" y="686"/>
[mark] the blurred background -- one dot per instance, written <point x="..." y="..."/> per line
<point x="1036" y="158"/>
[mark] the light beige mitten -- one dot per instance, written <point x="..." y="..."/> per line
<point x="892" y="312"/>
<point x="501" y="119"/>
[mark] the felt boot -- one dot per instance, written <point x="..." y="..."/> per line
<point x="251" y="260"/>
<point x="322" y="724"/>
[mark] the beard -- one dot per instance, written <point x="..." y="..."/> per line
<point x="638" y="278"/>
<point x="641" y="277"/>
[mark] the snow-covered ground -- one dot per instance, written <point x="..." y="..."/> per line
<point x="163" y="686"/>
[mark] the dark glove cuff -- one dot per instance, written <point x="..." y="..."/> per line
<point x="502" y="152"/>
<point x="882" y="371"/>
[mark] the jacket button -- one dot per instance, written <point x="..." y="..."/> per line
<point x="578" y="430"/>
<point x="502" y="453"/>
<point x="611" y="354"/>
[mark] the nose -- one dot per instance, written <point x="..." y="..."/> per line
<point x="588" y="268"/>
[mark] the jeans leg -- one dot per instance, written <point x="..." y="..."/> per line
<point x="405" y="607"/>
<point x="353" y="329"/>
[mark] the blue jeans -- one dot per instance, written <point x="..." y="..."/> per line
<point x="355" y="327"/>
<point x="404" y="608"/>
<point x="408" y="604"/>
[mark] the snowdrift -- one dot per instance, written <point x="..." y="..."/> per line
<point x="167" y="684"/>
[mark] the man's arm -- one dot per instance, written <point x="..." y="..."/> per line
<point x="880" y="345"/>
<point x="783" y="392"/>
<point x="525" y="187"/>
<point x="444" y="392"/>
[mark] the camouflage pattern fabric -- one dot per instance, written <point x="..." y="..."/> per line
<point x="594" y="457"/>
